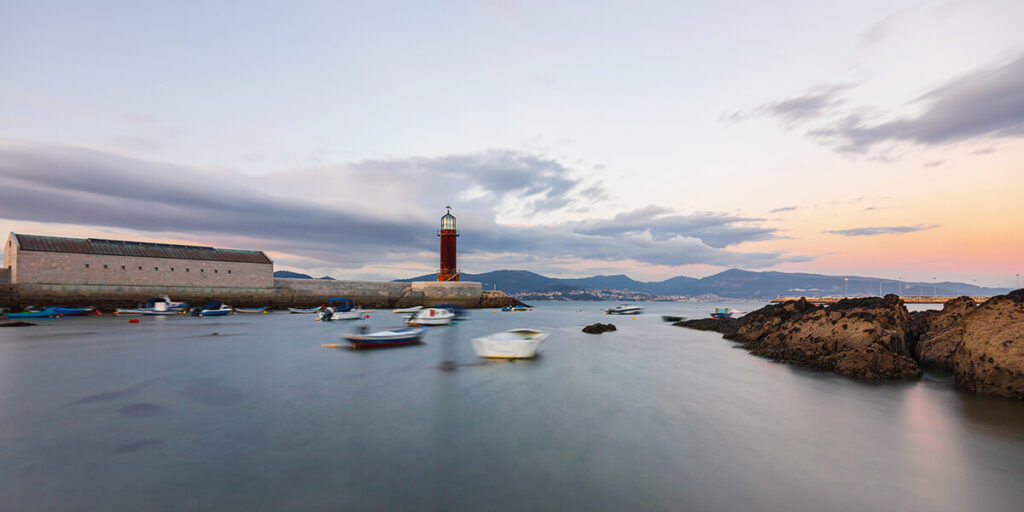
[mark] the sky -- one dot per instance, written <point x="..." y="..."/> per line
<point x="653" y="139"/>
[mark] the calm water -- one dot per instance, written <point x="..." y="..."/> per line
<point x="97" y="413"/>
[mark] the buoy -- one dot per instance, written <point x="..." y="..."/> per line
<point x="331" y="345"/>
<point x="634" y="318"/>
<point x="367" y="316"/>
<point x="133" y="321"/>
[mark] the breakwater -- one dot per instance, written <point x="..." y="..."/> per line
<point x="285" y="293"/>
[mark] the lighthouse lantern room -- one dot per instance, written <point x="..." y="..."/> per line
<point x="448" y="233"/>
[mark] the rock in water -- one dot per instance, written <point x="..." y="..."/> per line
<point x="990" y="356"/>
<point x="17" y="324"/>
<point x="939" y="333"/>
<point x="727" y="326"/>
<point x="864" y="338"/>
<point x="598" y="328"/>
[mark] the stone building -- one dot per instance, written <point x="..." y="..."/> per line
<point x="56" y="260"/>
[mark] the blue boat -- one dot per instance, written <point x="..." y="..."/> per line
<point x="51" y="312"/>
<point x="213" y="309"/>
<point x="43" y="313"/>
<point x="515" y="308"/>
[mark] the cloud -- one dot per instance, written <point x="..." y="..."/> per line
<point x="888" y="230"/>
<point x="783" y="209"/>
<point x="362" y="214"/>
<point x="813" y="104"/>
<point x="882" y="28"/>
<point x="933" y="163"/>
<point x="716" y="230"/>
<point x="987" y="103"/>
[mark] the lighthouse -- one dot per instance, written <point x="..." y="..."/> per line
<point x="448" y="233"/>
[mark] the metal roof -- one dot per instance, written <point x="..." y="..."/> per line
<point x="137" y="249"/>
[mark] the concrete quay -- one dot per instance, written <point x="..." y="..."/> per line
<point x="285" y="293"/>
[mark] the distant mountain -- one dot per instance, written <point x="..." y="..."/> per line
<point x="287" y="274"/>
<point x="733" y="283"/>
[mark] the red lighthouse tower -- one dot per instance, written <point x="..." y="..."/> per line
<point x="448" y="233"/>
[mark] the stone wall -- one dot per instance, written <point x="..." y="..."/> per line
<point x="285" y="293"/>
<point x="5" y="276"/>
<point x="71" y="268"/>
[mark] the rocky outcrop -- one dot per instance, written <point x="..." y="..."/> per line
<point x="726" y="326"/>
<point x="939" y="333"/>
<point x="497" y="299"/>
<point x="598" y="328"/>
<point x="864" y="338"/>
<point x="990" y="355"/>
<point x="876" y="338"/>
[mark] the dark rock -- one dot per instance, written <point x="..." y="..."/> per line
<point x="17" y="324"/>
<point x="939" y="333"/>
<point x="727" y="326"/>
<point x="989" y="356"/>
<point x="871" y="342"/>
<point x="598" y="328"/>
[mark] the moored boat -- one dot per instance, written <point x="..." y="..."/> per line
<point x="386" y="338"/>
<point x="407" y="310"/>
<point x="725" y="312"/>
<point x="431" y="316"/>
<point x="516" y="308"/>
<point x="213" y="309"/>
<point x="251" y="310"/>
<point x="624" y="310"/>
<point x="42" y="313"/>
<point x="511" y="344"/>
<point x="303" y="311"/>
<point x="339" y="309"/>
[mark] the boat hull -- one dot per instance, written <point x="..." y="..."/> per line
<point x="46" y="313"/>
<point x="251" y="310"/>
<point x="394" y="338"/>
<point x="300" y="311"/>
<point x="514" y="344"/>
<point x="215" y="312"/>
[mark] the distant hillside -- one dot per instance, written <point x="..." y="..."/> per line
<point x="287" y="274"/>
<point x="734" y="283"/>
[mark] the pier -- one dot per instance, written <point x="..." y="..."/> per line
<point x="907" y="299"/>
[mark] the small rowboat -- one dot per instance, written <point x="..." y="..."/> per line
<point x="431" y="316"/>
<point x="408" y="310"/>
<point x="213" y="309"/>
<point x="301" y="311"/>
<point x="513" y="344"/>
<point x="389" y="338"/>
<point x="251" y="310"/>
<point x="43" y="313"/>
<point x="624" y="310"/>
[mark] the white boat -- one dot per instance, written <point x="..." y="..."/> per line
<point x="408" y="310"/>
<point x="430" y="316"/>
<point x="329" y="313"/>
<point x="131" y="311"/>
<point x="302" y="311"/>
<point x="387" y="338"/>
<point x="161" y="309"/>
<point x="251" y="310"/>
<point x="624" y="310"/>
<point x="513" y="344"/>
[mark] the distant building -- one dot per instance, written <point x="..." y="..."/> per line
<point x="57" y="260"/>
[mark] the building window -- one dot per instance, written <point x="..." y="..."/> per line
<point x="214" y="271"/>
<point x="201" y="270"/>
<point x="172" y="269"/>
<point x="156" y="268"/>
<point x="104" y="267"/>
<point x="229" y="271"/>
<point x="86" y="265"/>
<point x="186" y="270"/>
<point x="140" y="268"/>
<point x="122" y="267"/>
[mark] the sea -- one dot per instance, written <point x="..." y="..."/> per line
<point x="251" y="412"/>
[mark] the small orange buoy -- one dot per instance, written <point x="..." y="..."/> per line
<point x="133" y="321"/>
